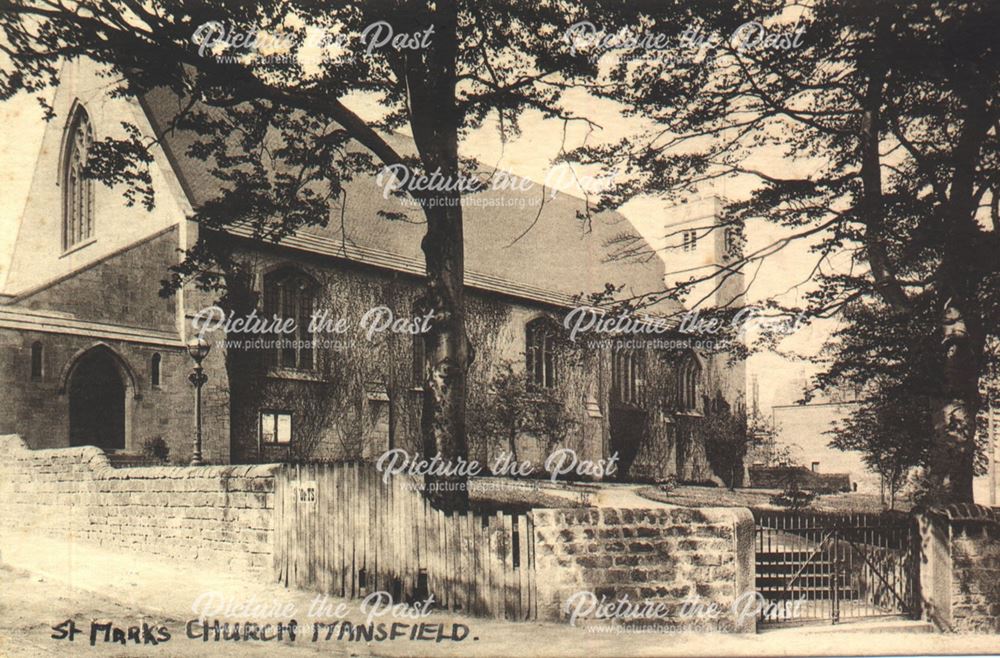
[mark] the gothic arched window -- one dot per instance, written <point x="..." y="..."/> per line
<point x="154" y="369"/>
<point x="541" y="363"/>
<point x="290" y="294"/>
<point x="78" y="191"/>
<point x="36" y="360"/>
<point x="626" y="376"/>
<point x="688" y="378"/>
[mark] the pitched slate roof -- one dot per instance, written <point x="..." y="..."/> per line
<point x="558" y="256"/>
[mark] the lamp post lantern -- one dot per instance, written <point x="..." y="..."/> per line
<point x="198" y="348"/>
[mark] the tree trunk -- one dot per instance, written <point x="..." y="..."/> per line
<point x="953" y="453"/>
<point x="963" y="334"/>
<point x="448" y="356"/>
<point x="434" y="118"/>
<point x="954" y="447"/>
<point x="243" y="364"/>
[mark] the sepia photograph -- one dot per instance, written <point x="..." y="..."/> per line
<point x="499" y="328"/>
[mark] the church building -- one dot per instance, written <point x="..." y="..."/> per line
<point x="92" y="354"/>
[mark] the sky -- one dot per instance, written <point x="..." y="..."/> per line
<point x="20" y="139"/>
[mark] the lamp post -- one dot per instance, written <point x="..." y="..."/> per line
<point x="198" y="348"/>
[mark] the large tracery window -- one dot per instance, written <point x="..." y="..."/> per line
<point x="78" y="191"/>
<point x="290" y="294"/>
<point x="541" y="363"/>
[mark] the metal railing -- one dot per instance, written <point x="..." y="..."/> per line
<point x="834" y="567"/>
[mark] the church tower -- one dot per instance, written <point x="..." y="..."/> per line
<point x="697" y="243"/>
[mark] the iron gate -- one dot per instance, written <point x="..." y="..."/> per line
<point x="835" y="567"/>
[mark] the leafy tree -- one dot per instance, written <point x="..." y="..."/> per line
<point x="883" y="431"/>
<point x="875" y="136"/>
<point x="281" y="134"/>
<point x="506" y="409"/>
<point x="893" y="425"/>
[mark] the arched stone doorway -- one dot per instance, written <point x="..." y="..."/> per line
<point x="97" y="400"/>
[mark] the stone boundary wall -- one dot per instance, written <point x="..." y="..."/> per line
<point x="222" y="515"/>
<point x="658" y="556"/>
<point x="960" y="568"/>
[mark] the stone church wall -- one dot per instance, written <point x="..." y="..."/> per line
<point x="364" y="397"/>
<point x="113" y="304"/>
<point x="120" y="289"/>
<point x="39" y="408"/>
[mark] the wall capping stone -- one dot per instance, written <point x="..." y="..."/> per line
<point x="967" y="512"/>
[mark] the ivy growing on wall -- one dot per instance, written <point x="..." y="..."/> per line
<point x="505" y="410"/>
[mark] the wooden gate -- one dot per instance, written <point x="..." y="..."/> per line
<point x="341" y="530"/>
<point x="835" y="567"/>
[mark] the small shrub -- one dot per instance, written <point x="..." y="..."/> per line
<point x="667" y="484"/>
<point x="793" y="499"/>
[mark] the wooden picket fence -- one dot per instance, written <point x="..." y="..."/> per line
<point x="341" y="530"/>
